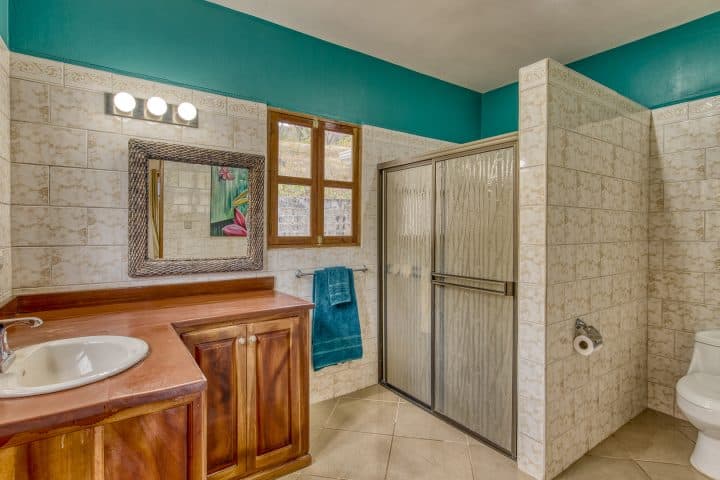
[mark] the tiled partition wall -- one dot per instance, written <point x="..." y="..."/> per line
<point x="583" y="254"/>
<point x="5" y="250"/>
<point x="70" y="183"/>
<point x="684" y="280"/>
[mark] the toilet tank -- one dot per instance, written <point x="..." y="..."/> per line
<point x="706" y="355"/>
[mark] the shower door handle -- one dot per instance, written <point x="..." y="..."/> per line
<point x="493" y="287"/>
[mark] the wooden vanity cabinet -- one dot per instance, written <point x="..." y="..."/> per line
<point x="223" y="359"/>
<point x="157" y="441"/>
<point x="257" y="396"/>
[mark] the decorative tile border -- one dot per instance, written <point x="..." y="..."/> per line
<point x="566" y="77"/>
<point x="86" y="78"/>
<point x="534" y="75"/>
<point x="37" y="69"/>
<point x="210" y="102"/>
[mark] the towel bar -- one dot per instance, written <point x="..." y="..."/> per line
<point x="300" y="273"/>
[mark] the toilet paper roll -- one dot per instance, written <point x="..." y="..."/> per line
<point x="584" y="345"/>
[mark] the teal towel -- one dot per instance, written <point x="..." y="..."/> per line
<point x="335" y="328"/>
<point x="339" y="285"/>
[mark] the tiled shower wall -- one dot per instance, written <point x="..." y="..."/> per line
<point x="684" y="281"/>
<point x="584" y="254"/>
<point x="5" y="250"/>
<point x="70" y="184"/>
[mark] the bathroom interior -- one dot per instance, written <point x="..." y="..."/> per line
<point x="430" y="240"/>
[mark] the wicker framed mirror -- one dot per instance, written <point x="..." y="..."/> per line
<point x="193" y="210"/>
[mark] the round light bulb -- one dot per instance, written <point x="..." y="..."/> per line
<point x="124" y="102"/>
<point x="187" y="111"/>
<point x="157" y="106"/>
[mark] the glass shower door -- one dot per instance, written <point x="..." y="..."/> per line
<point x="407" y="260"/>
<point x="473" y="281"/>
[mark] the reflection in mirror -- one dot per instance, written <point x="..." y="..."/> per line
<point x="193" y="210"/>
<point x="197" y="211"/>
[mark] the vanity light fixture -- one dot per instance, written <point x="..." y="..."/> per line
<point x="124" y="102"/>
<point x="156" y="106"/>
<point x="154" y="109"/>
<point x="187" y="111"/>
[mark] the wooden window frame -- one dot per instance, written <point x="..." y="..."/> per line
<point x="316" y="182"/>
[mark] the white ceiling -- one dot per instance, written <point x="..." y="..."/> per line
<point x="479" y="44"/>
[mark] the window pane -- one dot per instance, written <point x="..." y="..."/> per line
<point x="338" y="156"/>
<point x="294" y="150"/>
<point x="338" y="212"/>
<point x="293" y="210"/>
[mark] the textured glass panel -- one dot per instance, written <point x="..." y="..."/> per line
<point x="338" y="156"/>
<point x="293" y="210"/>
<point x="294" y="150"/>
<point x="408" y="244"/>
<point x="474" y="361"/>
<point x="475" y="220"/>
<point x="338" y="212"/>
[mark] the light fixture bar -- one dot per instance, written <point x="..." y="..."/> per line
<point x="141" y="112"/>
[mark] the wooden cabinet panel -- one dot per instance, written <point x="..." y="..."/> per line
<point x="13" y="463"/>
<point x="257" y="396"/>
<point x="65" y="457"/>
<point x="274" y="391"/>
<point x="151" y="442"/>
<point x="151" y="447"/>
<point x="221" y="355"/>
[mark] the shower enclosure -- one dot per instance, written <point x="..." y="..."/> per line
<point x="448" y="270"/>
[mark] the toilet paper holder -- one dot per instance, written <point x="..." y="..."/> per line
<point x="587" y="338"/>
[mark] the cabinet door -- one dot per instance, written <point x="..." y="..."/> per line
<point x="222" y="356"/>
<point x="275" y="393"/>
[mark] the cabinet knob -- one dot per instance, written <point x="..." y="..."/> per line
<point x="253" y="339"/>
<point x="241" y="340"/>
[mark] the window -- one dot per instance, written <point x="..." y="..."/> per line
<point x="314" y="181"/>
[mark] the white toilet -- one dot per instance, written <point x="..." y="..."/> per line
<point x="698" y="396"/>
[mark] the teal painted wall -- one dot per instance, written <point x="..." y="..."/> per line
<point x="673" y="66"/>
<point x="499" y="111"/>
<point x="238" y="55"/>
<point x="4" y="13"/>
<point x="202" y="45"/>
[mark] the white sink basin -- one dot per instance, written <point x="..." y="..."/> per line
<point x="68" y="363"/>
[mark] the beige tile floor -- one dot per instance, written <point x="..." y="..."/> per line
<point x="652" y="446"/>
<point x="374" y="435"/>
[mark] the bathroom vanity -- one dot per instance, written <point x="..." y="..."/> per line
<point x="223" y="393"/>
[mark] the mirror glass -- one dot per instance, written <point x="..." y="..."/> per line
<point x="197" y="211"/>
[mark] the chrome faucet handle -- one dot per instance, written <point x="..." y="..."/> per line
<point x="6" y="354"/>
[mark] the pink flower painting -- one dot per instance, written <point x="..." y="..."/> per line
<point x="226" y="174"/>
<point x="238" y="228"/>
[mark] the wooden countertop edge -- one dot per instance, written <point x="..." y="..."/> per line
<point x="84" y="413"/>
<point x="87" y="415"/>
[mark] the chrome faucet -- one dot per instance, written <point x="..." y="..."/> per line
<point x="6" y="354"/>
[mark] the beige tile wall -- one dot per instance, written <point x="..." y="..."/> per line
<point x="5" y="167"/>
<point x="583" y="254"/>
<point x="684" y="233"/>
<point x="70" y="183"/>
<point x="532" y="261"/>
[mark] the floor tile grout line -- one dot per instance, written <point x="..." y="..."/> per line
<point x="642" y="469"/>
<point x="387" y="464"/>
<point x="358" y="431"/>
<point x="452" y="442"/>
<point x="469" y="456"/>
<point x="395" y="419"/>
<point x="327" y="419"/>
